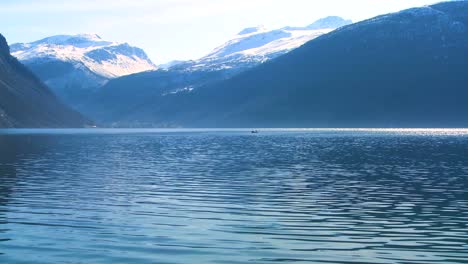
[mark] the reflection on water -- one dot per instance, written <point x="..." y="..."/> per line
<point x="312" y="196"/>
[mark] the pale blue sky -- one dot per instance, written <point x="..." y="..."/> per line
<point x="175" y="29"/>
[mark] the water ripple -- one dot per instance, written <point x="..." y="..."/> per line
<point x="227" y="196"/>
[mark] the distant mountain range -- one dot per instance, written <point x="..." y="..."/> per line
<point x="406" y="69"/>
<point x="249" y="48"/>
<point x="26" y="102"/>
<point x="73" y="65"/>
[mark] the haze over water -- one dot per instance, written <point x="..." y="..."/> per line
<point x="229" y="196"/>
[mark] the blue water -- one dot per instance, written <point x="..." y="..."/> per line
<point x="229" y="196"/>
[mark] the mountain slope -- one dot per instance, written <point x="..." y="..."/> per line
<point x="25" y="101"/>
<point x="71" y="65"/>
<point x="406" y="69"/>
<point x="129" y="101"/>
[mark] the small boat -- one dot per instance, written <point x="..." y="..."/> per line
<point x="254" y="132"/>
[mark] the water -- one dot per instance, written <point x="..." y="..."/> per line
<point x="206" y="196"/>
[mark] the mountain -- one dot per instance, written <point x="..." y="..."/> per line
<point x="123" y="101"/>
<point x="255" y="45"/>
<point x="405" y="69"/>
<point x="73" y="65"/>
<point x="25" y="101"/>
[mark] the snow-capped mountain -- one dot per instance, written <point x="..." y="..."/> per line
<point x="104" y="58"/>
<point x="256" y="45"/>
<point x="75" y="65"/>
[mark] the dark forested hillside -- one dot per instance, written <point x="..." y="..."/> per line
<point x="133" y="100"/>
<point x="27" y="102"/>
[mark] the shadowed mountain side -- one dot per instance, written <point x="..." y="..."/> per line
<point x="132" y="100"/>
<point x="25" y="101"/>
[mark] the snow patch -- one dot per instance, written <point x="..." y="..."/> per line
<point x="75" y="49"/>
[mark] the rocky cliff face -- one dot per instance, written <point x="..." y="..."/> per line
<point x="26" y="102"/>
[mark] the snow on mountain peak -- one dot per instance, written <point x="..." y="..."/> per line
<point x="251" y="30"/>
<point x="329" y="22"/>
<point x="105" y="58"/>
<point x="80" y="41"/>
<point x="90" y="36"/>
<point x="255" y="45"/>
<point x="259" y="41"/>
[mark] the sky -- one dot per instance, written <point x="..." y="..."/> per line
<point x="175" y="29"/>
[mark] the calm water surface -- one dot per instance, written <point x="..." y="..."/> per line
<point x="205" y="196"/>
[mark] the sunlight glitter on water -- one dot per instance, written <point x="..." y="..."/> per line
<point x="402" y="131"/>
<point x="210" y="196"/>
